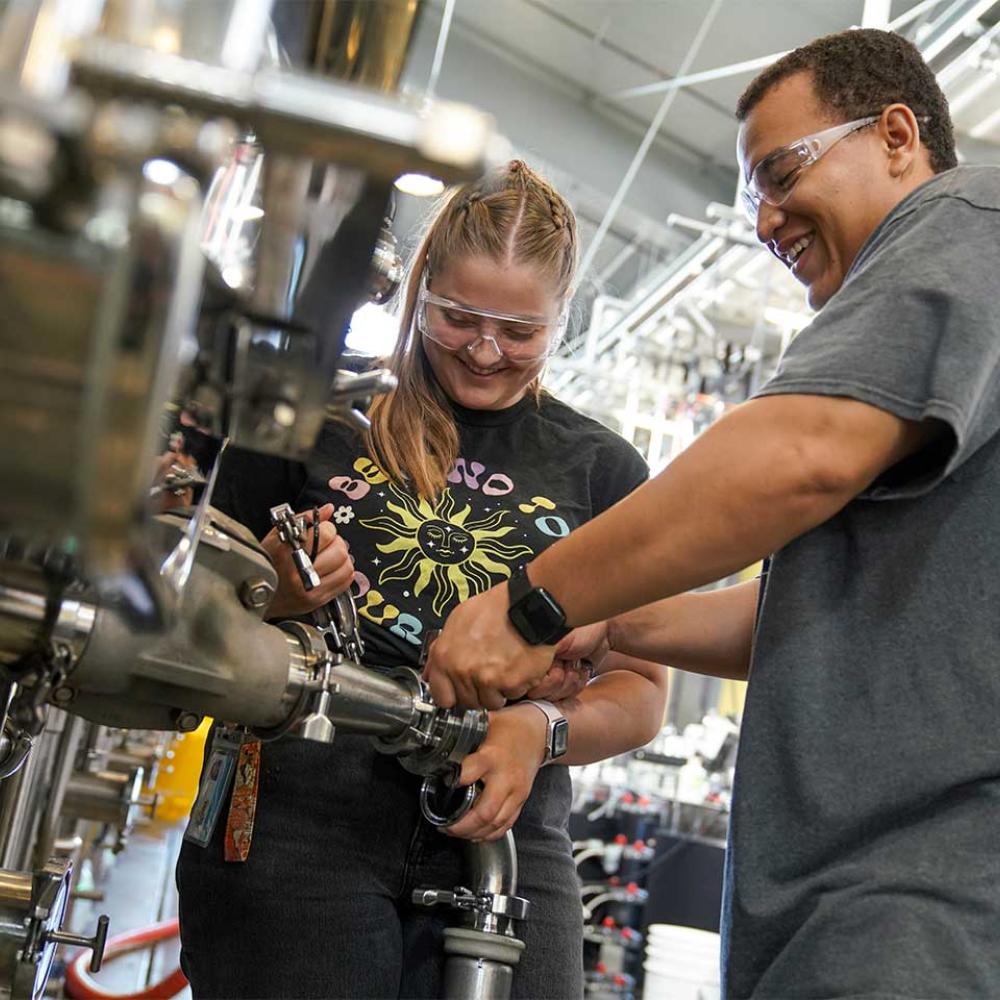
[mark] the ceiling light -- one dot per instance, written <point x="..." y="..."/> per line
<point x="419" y="185"/>
<point x="161" y="172"/>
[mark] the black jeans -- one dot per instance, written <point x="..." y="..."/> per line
<point x="321" y="908"/>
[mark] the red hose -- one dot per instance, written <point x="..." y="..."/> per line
<point x="80" y="985"/>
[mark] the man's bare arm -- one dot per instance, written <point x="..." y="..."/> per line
<point x="768" y="472"/>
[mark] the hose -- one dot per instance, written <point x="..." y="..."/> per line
<point x="80" y="985"/>
<point x="589" y="908"/>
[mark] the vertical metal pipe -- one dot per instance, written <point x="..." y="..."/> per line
<point x="51" y="806"/>
<point x="482" y="953"/>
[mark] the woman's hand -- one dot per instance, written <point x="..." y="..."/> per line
<point x="589" y="643"/>
<point x="167" y="499"/>
<point x="565" y="680"/>
<point x="332" y="563"/>
<point x="506" y="764"/>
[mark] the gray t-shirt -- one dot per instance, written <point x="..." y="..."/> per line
<point x="865" y="838"/>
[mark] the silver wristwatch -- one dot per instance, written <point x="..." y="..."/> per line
<point x="557" y="737"/>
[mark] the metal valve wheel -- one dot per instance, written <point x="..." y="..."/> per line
<point x="32" y="909"/>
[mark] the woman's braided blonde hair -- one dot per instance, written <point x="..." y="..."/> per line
<point x="511" y="215"/>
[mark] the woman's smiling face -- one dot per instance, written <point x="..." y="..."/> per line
<point x="478" y="378"/>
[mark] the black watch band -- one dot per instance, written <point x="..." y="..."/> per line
<point x="533" y="611"/>
<point x="518" y="586"/>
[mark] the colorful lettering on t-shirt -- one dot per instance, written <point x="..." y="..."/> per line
<point x="554" y="527"/>
<point x="467" y="472"/>
<point x="470" y="472"/>
<point x="529" y="508"/>
<point x="355" y="489"/>
<point x="369" y="471"/>
<point x="408" y="627"/>
<point x="373" y="601"/>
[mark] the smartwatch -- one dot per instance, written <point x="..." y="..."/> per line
<point x="534" y="612"/>
<point x="557" y="738"/>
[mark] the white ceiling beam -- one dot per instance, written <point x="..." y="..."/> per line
<point x="876" y="14"/>
<point x="955" y="21"/>
<point x="442" y="42"/>
<point x="680" y="81"/>
<point x="912" y="14"/>
<point x="873" y="9"/>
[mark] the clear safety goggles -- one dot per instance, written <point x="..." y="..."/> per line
<point x="774" y="177"/>
<point x="518" y="338"/>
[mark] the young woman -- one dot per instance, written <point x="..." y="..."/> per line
<point x="470" y="469"/>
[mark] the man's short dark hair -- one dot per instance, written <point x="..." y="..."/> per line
<point x="857" y="73"/>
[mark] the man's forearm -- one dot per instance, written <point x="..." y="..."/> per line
<point x="707" y="633"/>
<point x="616" y="712"/>
<point x="748" y="486"/>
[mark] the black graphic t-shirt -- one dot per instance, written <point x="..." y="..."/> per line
<point x="525" y="477"/>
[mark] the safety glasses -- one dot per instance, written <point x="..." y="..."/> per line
<point x="456" y="326"/>
<point x="776" y="175"/>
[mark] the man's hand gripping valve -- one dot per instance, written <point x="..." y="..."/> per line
<point x="428" y="740"/>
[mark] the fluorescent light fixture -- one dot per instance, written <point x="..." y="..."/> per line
<point x="419" y="185"/>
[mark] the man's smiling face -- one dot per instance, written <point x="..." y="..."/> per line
<point x="836" y="202"/>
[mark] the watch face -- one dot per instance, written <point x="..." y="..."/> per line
<point x="541" y="612"/>
<point x="560" y="737"/>
<point x="537" y="617"/>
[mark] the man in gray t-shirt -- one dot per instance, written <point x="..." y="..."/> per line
<point x="864" y="857"/>
<point x="864" y="831"/>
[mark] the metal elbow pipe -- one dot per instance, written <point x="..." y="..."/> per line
<point x="493" y="865"/>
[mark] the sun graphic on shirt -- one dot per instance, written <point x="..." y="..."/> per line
<point x="440" y="547"/>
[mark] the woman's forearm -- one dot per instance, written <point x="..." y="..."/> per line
<point x="618" y="711"/>
<point x="710" y="632"/>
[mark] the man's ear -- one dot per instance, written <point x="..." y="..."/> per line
<point x="900" y="133"/>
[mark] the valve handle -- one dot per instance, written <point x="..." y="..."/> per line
<point x="96" y="943"/>
<point x="434" y="897"/>
<point x="307" y="573"/>
<point x="290" y="530"/>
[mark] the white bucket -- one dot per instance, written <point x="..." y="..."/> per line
<point x="658" y="986"/>
<point x="682" y="963"/>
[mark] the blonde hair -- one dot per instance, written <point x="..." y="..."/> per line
<point x="510" y="215"/>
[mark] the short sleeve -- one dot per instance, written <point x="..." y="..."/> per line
<point x="622" y="470"/>
<point x="915" y="331"/>
<point x="250" y="484"/>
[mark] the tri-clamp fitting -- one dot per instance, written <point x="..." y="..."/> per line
<point x="482" y="951"/>
<point x="486" y="908"/>
<point x="435" y="746"/>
